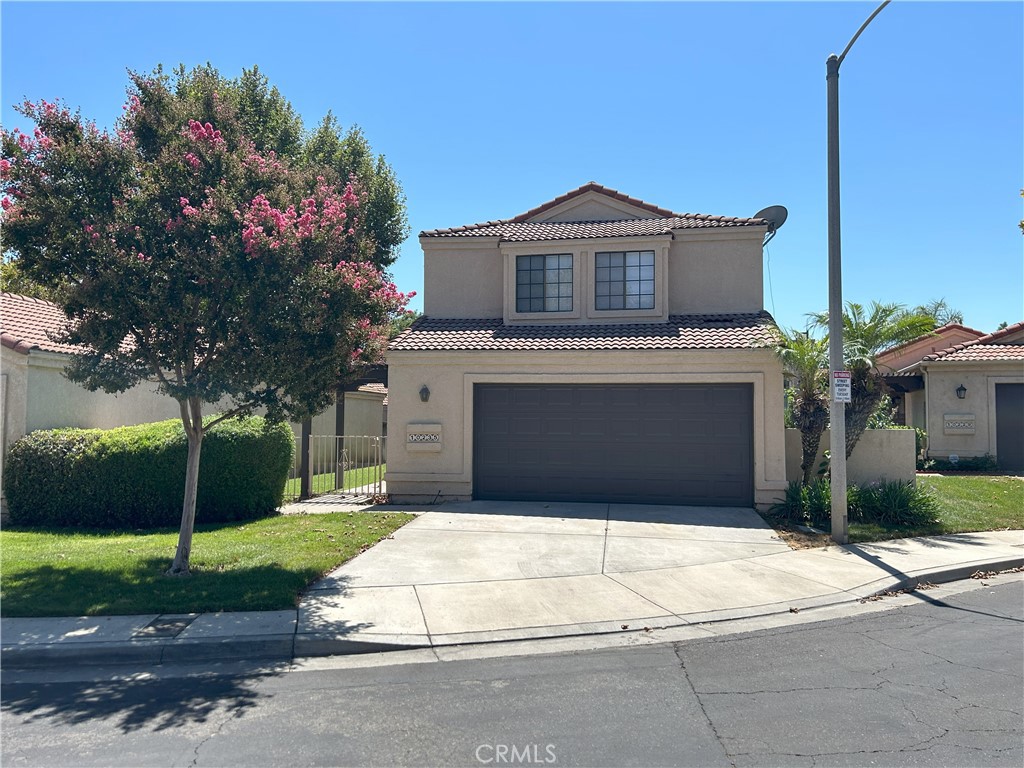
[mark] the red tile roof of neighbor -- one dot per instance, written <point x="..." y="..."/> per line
<point x="893" y="351"/>
<point x="377" y="389"/>
<point x="521" y="229"/>
<point x="27" y="323"/>
<point x="735" y="331"/>
<point x="990" y="347"/>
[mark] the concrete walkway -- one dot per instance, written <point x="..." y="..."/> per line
<point x="484" y="572"/>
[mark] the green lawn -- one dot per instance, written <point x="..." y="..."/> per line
<point x="966" y="503"/>
<point x="249" y="566"/>
<point x="325" y="483"/>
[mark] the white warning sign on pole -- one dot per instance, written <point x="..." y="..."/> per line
<point x="842" y="389"/>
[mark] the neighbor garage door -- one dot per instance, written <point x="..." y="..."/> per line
<point x="1010" y="426"/>
<point x="655" y="444"/>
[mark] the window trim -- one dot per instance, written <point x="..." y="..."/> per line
<point x="660" y="311"/>
<point x="543" y="282"/>
<point x="624" y="282"/>
<point x="510" y="256"/>
<point x="583" y="271"/>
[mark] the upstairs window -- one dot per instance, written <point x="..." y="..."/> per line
<point x="544" y="283"/>
<point x="624" y="280"/>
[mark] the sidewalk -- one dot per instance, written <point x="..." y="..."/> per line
<point x="485" y="572"/>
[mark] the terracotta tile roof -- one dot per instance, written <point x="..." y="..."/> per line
<point x="377" y="389"/>
<point x="27" y="323"/>
<point x="938" y="332"/>
<point x="994" y="346"/>
<point x="736" y="331"/>
<point x="983" y="353"/>
<point x="521" y="229"/>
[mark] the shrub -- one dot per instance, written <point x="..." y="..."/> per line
<point x="897" y="503"/>
<point x="802" y="504"/>
<point x="134" y="477"/>
<point x="985" y="463"/>
<point x="819" y="502"/>
<point x="791" y="507"/>
<point x="888" y="504"/>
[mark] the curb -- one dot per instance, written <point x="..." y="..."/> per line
<point x="291" y="646"/>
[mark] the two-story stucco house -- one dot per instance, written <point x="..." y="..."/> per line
<point x="594" y="348"/>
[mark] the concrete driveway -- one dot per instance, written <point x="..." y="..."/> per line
<point x="489" y="570"/>
<point x="486" y="571"/>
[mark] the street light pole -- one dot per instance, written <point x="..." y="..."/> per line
<point x="836" y="361"/>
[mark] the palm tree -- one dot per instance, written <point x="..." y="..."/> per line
<point x="805" y="361"/>
<point x="865" y="335"/>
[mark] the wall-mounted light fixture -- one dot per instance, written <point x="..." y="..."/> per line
<point x="961" y="392"/>
<point x="424" y="393"/>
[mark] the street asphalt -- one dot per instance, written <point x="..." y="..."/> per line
<point x="500" y="572"/>
<point x="930" y="679"/>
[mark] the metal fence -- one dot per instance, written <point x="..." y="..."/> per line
<point x="352" y="465"/>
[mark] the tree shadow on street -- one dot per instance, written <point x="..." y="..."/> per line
<point x="135" y="703"/>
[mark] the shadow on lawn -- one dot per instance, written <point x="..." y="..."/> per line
<point x="141" y="587"/>
<point x="135" y="703"/>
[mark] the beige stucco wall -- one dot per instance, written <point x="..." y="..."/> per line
<point x="14" y="395"/>
<point x="415" y="474"/>
<point x="53" y="401"/>
<point x="697" y="271"/>
<point x="980" y="379"/>
<point x="913" y="405"/>
<point x="462" y="277"/>
<point x="880" y="454"/>
<point x="716" y="271"/>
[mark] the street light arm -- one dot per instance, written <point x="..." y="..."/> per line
<point x="863" y="26"/>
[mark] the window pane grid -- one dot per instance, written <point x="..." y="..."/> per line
<point x="624" y="280"/>
<point x="544" y="283"/>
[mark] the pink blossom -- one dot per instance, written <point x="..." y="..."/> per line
<point x="192" y="160"/>
<point x="200" y="132"/>
<point x="5" y="168"/>
<point x="6" y="203"/>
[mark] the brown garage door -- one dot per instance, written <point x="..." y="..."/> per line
<point x="1010" y="426"/>
<point x="651" y="443"/>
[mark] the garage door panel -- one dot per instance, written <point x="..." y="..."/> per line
<point x="678" y="444"/>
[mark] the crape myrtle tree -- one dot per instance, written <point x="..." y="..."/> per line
<point x="185" y="256"/>
<point x="269" y="121"/>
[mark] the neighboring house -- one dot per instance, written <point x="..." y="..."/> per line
<point x="974" y="398"/>
<point x="36" y="395"/>
<point x="907" y="389"/>
<point x="594" y="348"/>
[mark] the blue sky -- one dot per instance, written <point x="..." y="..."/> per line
<point x="486" y="110"/>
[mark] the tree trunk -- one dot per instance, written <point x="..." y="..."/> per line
<point x="865" y="395"/>
<point x="180" y="566"/>
<point x="811" y="420"/>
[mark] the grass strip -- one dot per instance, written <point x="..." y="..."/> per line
<point x="260" y="565"/>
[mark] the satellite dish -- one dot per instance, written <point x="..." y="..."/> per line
<point x="775" y="215"/>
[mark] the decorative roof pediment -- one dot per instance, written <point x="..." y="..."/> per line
<point x="592" y="206"/>
<point x="592" y="211"/>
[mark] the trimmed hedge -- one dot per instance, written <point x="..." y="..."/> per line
<point x="134" y="477"/>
